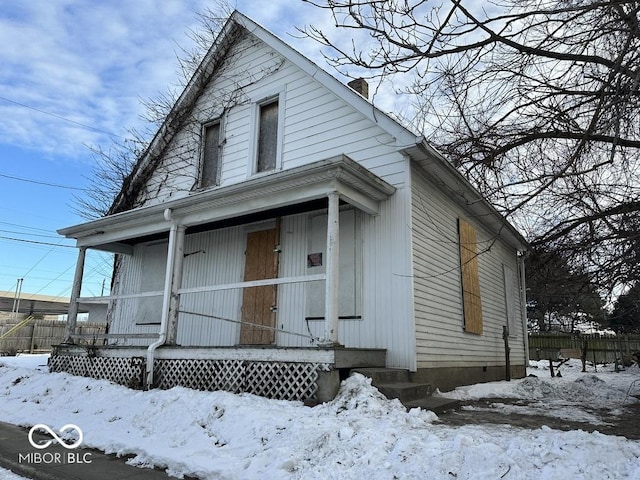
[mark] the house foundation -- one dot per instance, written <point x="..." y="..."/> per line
<point x="448" y="378"/>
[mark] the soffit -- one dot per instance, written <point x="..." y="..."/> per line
<point x="355" y="185"/>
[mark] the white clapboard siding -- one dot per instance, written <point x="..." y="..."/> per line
<point x="440" y="337"/>
<point x="231" y="91"/>
<point x="317" y="125"/>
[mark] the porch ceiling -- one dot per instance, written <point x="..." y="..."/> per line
<point x="355" y="185"/>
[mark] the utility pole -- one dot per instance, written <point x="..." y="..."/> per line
<point x="16" y="299"/>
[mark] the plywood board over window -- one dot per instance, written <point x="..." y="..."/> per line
<point x="471" y="300"/>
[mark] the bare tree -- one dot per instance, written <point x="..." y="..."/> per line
<point x="559" y="297"/>
<point x="115" y="185"/>
<point x="536" y="101"/>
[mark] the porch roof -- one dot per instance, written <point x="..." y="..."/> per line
<point x="354" y="184"/>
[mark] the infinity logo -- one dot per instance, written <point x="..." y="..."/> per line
<point x="67" y="427"/>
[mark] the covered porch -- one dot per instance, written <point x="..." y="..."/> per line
<point x="256" y="362"/>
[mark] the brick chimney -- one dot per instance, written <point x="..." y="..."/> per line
<point x="361" y="86"/>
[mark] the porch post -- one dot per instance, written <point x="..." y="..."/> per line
<point x="72" y="317"/>
<point x="176" y="283"/>
<point x="332" y="270"/>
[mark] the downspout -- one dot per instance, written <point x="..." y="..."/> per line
<point x="166" y="298"/>
<point x="523" y="305"/>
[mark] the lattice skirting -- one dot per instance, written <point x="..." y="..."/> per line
<point x="129" y="371"/>
<point x="279" y="380"/>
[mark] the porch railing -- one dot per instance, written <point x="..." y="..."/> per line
<point x="138" y="336"/>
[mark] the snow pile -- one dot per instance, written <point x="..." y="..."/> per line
<point x="361" y="434"/>
<point x="587" y="387"/>
<point x="603" y="389"/>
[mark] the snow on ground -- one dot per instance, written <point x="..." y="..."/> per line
<point x="361" y="434"/>
<point x="9" y="475"/>
<point x="576" y="395"/>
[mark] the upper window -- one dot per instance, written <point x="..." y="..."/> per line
<point x="210" y="167"/>
<point x="267" y="136"/>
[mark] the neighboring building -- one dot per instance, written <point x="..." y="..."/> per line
<point x="280" y="230"/>
<point x="30" y="322"/>
<point x="21" y="305"/>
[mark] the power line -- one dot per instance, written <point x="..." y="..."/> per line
<point x="36" y="242"/>
<point x="31" y="234"/>
<point x="57" y="185"/>
<point x="61" y="117"/>
<point x="55" y="279"/>
<point x="25" y="226"/>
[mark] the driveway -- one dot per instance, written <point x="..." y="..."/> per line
<point x="622" y="421"/>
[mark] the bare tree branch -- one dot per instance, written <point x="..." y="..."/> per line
<point x="537" y="102"/>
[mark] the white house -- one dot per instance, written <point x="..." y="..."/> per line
<point x="280" y="230"/>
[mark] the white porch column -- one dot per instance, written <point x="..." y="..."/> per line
<point x="176" y="283"/>
<point x="72" y="317"/>
<point x="332" y="270"/>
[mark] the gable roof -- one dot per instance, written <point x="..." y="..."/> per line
<point x="407" y="142"/>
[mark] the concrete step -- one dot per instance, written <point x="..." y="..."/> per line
<point x="405" y="391"/>
<point x="435" y="404"/>
<point x="381" y="376"/>
<point x="396" y="383"/>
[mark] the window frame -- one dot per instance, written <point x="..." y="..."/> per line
<point x="203" y="151"/>
<point x="257" y="108"/>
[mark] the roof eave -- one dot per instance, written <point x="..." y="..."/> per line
<point x="354" y="183"/>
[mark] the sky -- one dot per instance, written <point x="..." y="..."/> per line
<point x="360" y="434"/>
<point x="72" y="79"/>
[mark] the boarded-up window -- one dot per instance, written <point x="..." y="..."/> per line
<point x="472" y="305"/>
<point x="152" y="277"/>
<point x="267" y="137"/>
<point x="350" y="282"/>
<point x="211" y="156"/>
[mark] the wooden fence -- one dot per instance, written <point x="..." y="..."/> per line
<point x="600" y="348"/>
<point x="40" y="335"/>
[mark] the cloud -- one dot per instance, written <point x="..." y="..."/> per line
<point x="86" y="61"/>
<point x="92" y="62"/>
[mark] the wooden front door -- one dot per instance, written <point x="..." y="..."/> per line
<point x="258" y="303"/>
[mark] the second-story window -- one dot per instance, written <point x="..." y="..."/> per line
<point x="267" y="136"/>
<point x="210" y="166"/>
